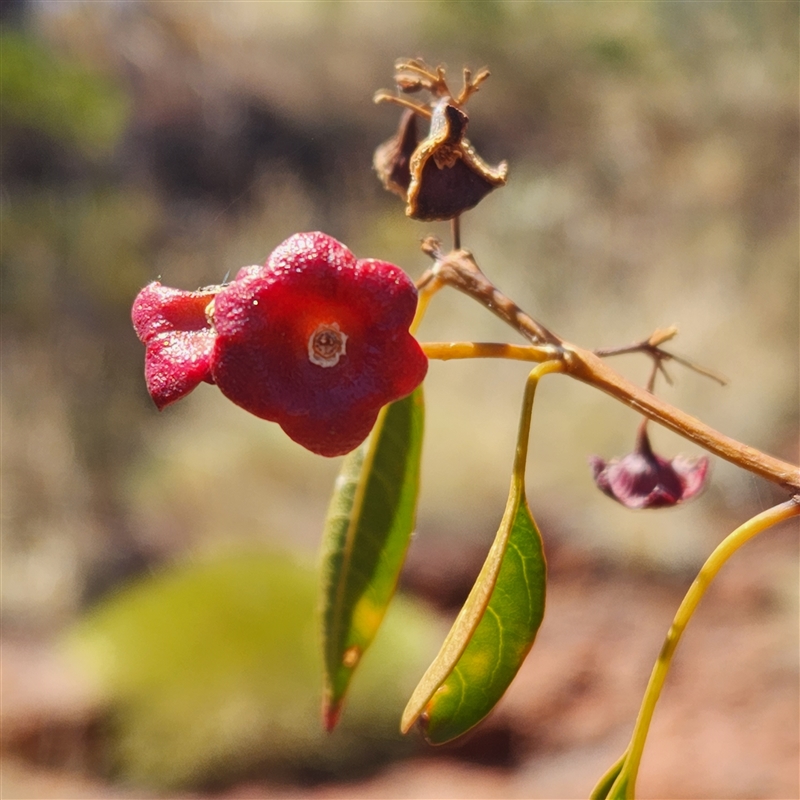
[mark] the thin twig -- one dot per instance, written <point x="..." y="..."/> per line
<point x="458" y="269"/>
<point x="652" y="347"/>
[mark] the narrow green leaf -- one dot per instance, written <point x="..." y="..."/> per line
<point x="370" y="520"/>
<point x="603" y="789"/>
<point x="496" y="626"/>
<point x="504" y="633"/>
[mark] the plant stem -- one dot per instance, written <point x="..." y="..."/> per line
<point x="447" y="351"/>
<point x="587" y="367"/>
<point x="425" y="293"/>
<point x="712" y="566"/>
<point x="459" y="270"/>
<point x="455" y="228"/>
<point x="524" y="434"/>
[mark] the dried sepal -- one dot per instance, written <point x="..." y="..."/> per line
<point x="409" y="84"/>
<point x="447" y="176"/>
<point x="440" y="176"/>
<point x="413" y="74"/>
<point x="393" y="158"/>
<point x="415" y="70"/>
<point x="471" y="85"/>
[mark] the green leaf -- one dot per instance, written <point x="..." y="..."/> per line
<point x="496" y="627"/>
<point x="492" y="634"/>
<point x="370" y="520"/>
<point x="603" y="789"/>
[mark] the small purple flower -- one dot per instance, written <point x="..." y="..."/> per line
<point x="643" y="479"/>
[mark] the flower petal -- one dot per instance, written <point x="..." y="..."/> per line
<point x="692" y="473"/>
<point x="179" y="339"/>
<point x="265" y="359"/>
<point x="643" y="479"/>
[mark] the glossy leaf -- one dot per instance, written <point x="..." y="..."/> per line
<point x="504" y="634"/>
<point x="367" y="532"/>
<point x="497" y="625"/>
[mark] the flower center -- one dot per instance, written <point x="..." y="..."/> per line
<point x="326" y="345"/>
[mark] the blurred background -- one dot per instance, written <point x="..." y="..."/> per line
<point x="653" y="152"/>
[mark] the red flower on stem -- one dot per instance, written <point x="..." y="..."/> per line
<point x="314" y="340"/>
<point x="643" y="479"/>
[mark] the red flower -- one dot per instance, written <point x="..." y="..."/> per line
<point x="314" y="340"/>
<point x="643" y="479"/>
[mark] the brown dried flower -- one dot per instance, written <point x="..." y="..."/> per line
<point x="392" y="160"/>
<point x="440" y="176"/>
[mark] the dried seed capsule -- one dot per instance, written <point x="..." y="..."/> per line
<point x="447" y="176"/>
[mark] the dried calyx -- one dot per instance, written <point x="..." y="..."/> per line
<point x="441" y="175"/>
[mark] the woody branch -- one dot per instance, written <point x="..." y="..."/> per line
<point x="459" y="270"/>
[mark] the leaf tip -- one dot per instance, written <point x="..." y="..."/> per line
<point x="331" y="710"/>
<point x="410" y="716"/>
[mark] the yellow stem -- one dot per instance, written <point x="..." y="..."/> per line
<point x="424" y="296"/>
<point x="523" y="437"/>
<point x="712" y="566"/>
<point x="445" y="351"/>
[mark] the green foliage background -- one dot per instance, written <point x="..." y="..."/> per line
<point x="214" y="670"/>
